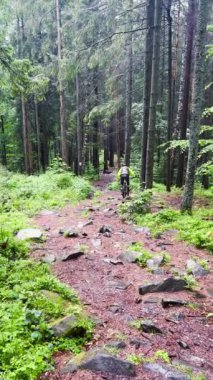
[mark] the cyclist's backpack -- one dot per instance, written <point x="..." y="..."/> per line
<point x="124" y="170"/>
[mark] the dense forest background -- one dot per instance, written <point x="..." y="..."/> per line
<point x="100" y="82"/>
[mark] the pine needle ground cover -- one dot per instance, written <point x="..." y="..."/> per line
<point x="31" y="299"/>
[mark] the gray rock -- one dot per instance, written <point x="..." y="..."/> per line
<point x="183" y="344"/>
<point x="139" y="343"/>
<point x="114" y="309"/>
<point x="100" y="361"/>
<point x="117" y="345"/>
<point x="171" y="284"/>
<point x="66" y="256"/>
<point x="129" y="256"/>
<point x="29" y="233"/>
<point x="166" y="371"/>
<point x="71" y="233"/>
<point x="155" y="262"/>
<point x="195" y="268"/>
<point x="89" y="223"/>
<point x="49" y="259"/>
<point x="173" y="302"/>
<point x="68" y="327"/>
<point x="96" y="242"/>
<point x="143" y="230"/>
<point x="46" y="213"/>
<point x="149" y="327"/>
<point x="118" y="285"/>
<point x="159" y="272"/>
<point x="105" y="228"/>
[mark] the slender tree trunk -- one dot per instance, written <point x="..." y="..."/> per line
<point x="79" y="128"/>
<point x="38" y="135"/>
<point x="128" y="116"/>
<point x="184" y="109"/>
<point x="170" y="93"/>
<point x="153" y="95"/>
<point x="198" y="91"/>
<point x="3" y="145"/>
<point x="111" y="146"/>
<point x="147" y="88"/>
<point x="95" y="134"/>
<point x="26" y="138"/>
<point x="64" y="148"/>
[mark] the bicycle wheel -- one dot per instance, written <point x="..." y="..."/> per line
<point x="124" y="189"/>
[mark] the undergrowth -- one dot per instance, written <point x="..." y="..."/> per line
<point x="31" y="299"/>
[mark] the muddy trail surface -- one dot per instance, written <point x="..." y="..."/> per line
<point x="108" y="286"/>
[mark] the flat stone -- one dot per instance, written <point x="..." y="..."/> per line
<point x="102" y="362"/>
<point x="116" y="344"/>
<point x="129" y="256"/>
<point x="114" y="309"/>
<point x="143" y="230"/>
<point x="89" y="223"/>
<point x="68" y="327"/>
<point x="29" y="233"/>
<point x="118" y="285"/>
<point x="96" y="242"/>
<point x="49" y="259"/>
<point x="171" y="284"/>
<point x="173" y="302"/>
<point x="139" y="343"/>
<point x="166" y="371"/>
<point x="66" y="256"/>
<point x="47" y="213"/>
<point x="155" y="262"/>
<point x="195" y="268"/>
<point x="149" y="327"/>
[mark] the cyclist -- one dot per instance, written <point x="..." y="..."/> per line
<point x="123" y="174"/>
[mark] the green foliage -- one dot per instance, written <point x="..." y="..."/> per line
<point x="163" y="355"/>
<point x="135" y="359"/>
<point x="143" y="258"/>
<point x="26" y="341"/>
<point x="191" y="283"/>
<point x="196" y="229"/>
<point x="140" y="204"/>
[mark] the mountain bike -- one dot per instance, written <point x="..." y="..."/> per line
<point x="125" y="189"/>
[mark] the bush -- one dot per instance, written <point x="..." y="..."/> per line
<point x="140" y="204"/>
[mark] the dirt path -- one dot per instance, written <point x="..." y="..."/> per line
<point x="109" y="289"/>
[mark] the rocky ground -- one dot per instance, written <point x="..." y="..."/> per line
<point x="108" y="285"/>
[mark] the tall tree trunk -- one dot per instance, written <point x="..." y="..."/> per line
<point x="111" y="146"/>
<point x="3" y="145"/>
<point x="64" y="148"/>
<point x="147" y="87"/>
<point x="95" y="131"/>
<point x="79" y="128"/>
<point x="183" y="117"/>
<point x="170" y="93"/>
<point x="128" y="116"/>
<point x="198" y="91"/>
<point x="38" y="135"/>
<point x="153" y="95"/>
<point x="26" y="138"/>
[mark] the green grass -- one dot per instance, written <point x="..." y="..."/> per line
<point x="31" y="299"/>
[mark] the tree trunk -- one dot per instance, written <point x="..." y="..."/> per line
<point x="153" y="95"/>
<point x="3" y="145"/>
<point x="95" y="131"/>
<point x="38" y="135"/>
<point x="184" y="110"/>
<point x="79" y="128"/>
<point x="198" y="91"/>
<point x="128" y="116"/>
<point x="170" y="93"/>
<point x="26" y="138"/>
<point x="147" y="87"/>
<point x="64" y="148"/>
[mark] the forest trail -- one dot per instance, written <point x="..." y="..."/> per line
<point x="108" y="287"/>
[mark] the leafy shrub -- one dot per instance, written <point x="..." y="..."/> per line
<point x="140" y="204"/>
<point x="10" y="247"/>
<point x="143" y="258"/>
<point x="64" y="181"/>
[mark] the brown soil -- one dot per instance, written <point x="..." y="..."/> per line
<point x="93" y="278"/>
